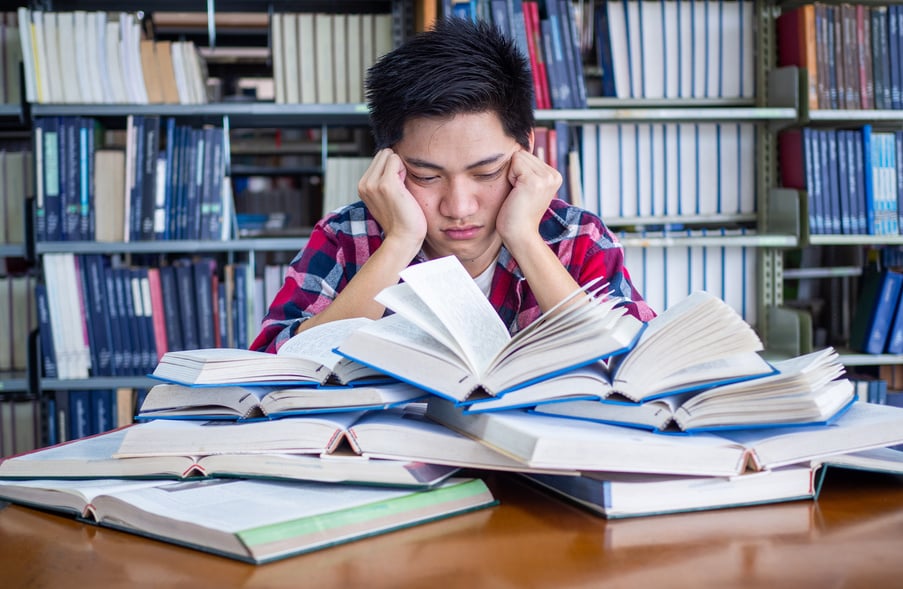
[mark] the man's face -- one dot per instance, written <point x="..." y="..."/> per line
<point x="457" y="170"/>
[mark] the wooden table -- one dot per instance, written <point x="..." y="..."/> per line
<point x="851" y="537"/>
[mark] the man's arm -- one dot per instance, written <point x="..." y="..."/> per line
<point x="534" y="184"/>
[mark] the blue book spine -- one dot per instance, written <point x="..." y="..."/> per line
<point x="103" y="411"/>
<point x="843" y="184"/>
<point x="117" y="337"/>
<point x="170" y="290"/>
<point x="833" y="224"/>
<point x="80" y="422"/>
<point x="100" y="331"/>
<point x="875" y="310"/>
<point x="603" y="50"/>
<point x="868" y="165"/>
<point x="898" y="145"/>
<point x="45" y="335"/>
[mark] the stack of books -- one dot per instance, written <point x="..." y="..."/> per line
<point x="363" y="426"/>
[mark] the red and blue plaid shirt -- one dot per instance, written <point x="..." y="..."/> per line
<point x="344" y="240"/>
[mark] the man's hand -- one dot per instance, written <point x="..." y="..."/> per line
<point x="383" y="190"/>
<point x="534" y="184"/>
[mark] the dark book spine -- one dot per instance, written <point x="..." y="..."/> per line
<point x="187" y="305"/>
<point x="204" y="271"/>
<point x="45" y="335"/>
<point x="150" y="140"/>
<point x="170" y="291"/>
<point x="98" y="318"/>
<point x="119" y="341"/>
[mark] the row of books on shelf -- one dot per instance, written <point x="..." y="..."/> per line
<point x="421" y="442"/>
<point x="168" y="181"/>
<point x="666" y="275"/>
<point x="322" y="58"/>
<point x="10" y="58"/>
<point x="125" y="317"/>
<point x="690" y="49"/>
<point x="876" y="326"/>
<point x="16" y="181"/>
<point x="20" y="423"/>
<point x="547" y="33"/>
<point x="91" y="57"/>
<point x="852" y="177"/>
<point x="851" y="53"/>
<point x="648" y="170"/>
<point x="18" y="318"/>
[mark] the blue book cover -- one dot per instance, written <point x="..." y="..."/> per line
<point x="861" y="218"/>
<point x="875" y="310"/>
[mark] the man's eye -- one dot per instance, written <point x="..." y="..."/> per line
<point x="417" y="178"/>
<point x="490" y="175"/>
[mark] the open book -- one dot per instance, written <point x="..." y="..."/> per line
<point x="696" y="343"/>
<point x="547" y="441"/>
<point x="445" y="337"/>
<point x="398" y="434"/>
<point x="805" y="390"/>
<point x="93" y="457"/>
<point x="618" y="495"/>
<point x="250" y="520"/>
<point x="693" y="345"/>
<point x="175" y="401"/>
<point x="306" y="359"/>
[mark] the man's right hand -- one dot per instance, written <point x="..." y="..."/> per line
<point x="383" y="190"/>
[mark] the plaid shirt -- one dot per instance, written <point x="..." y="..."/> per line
<point x="345" y="239"/>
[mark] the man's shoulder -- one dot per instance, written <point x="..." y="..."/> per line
<point x="352" y="218"/>
<point x="563" y="219"/>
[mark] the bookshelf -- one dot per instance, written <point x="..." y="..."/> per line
<point x="828" y="266"/>
<point x="764" y="108"/>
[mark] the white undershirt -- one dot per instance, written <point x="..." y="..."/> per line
<point x="484" y="279"/>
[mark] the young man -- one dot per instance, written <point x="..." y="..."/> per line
<point x="451" y="112"/>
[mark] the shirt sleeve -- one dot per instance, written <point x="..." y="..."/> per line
<point x="603" y="255"/>
<point x="312" y="282"/>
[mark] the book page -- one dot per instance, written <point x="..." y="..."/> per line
<point x="459" y="303"/>
<point x="417" y="312"/>
<point x="318" y="342"/>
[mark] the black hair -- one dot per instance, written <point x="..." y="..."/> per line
<point x="457" y="67"/>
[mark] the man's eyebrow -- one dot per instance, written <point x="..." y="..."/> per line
<point x="419" y="163"/>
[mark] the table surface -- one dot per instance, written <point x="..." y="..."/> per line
<point x="852" y="536"/>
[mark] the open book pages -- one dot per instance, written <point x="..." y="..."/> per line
<point x="618" y="495"/>
<point x="252" y="520"/>
<point x="698" y="342"/>
<point x="175" y="401"/>
<point x="317" y="344"/>
<point x="804" y="390"/>
<point x="93" y="457"/>
<point x="445" y="337"/>
<point x="306" y="359"/>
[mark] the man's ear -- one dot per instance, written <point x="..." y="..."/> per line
<point x="531" y="138"/>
